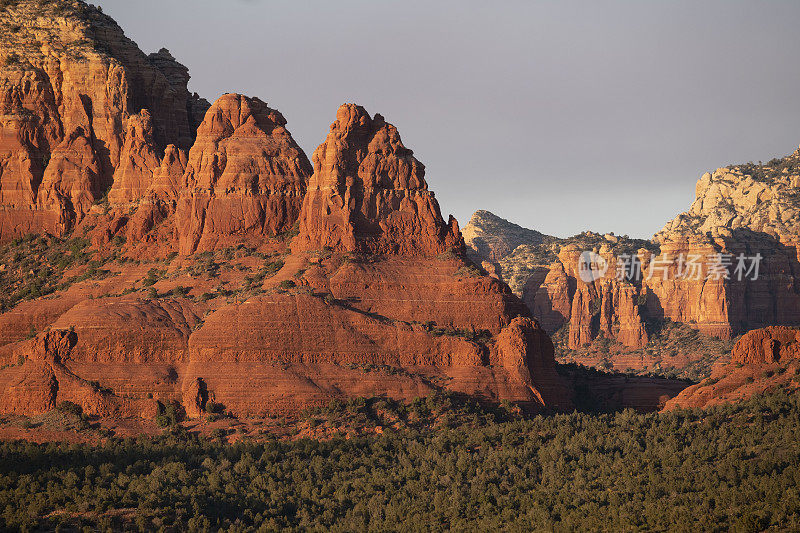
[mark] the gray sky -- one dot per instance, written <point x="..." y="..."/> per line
<point x="559" y="116"/>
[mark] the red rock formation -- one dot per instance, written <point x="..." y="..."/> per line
<point x="72" y="182"/>
<point x="761" y="360"/>
<point x="178" y="77"/>
<point x="65" y="104"/>
<point x="29" y="127"/>
<point x="741" y="209"/>
<point x="524" y="350"/>
<point x="168" y="178"/>
<point x="605" y="306"/>
<point x="489" y="237"/>
<point x="368" y="194"/>
<point x="387" y="311"/>
<point x="244" y="175"/>
<point x="768" y="345"/>
<point x="43" y="381"/>
<point x="157" y="204"/>
<point x="128" y="329"/>
<point x="745" y="211"/>
<point x="303" y="340"/>
<point x="303" y="329"/>
<point x="139" y="161"/>
<point x="551" y="299"/>
<point x="410" y="289"/>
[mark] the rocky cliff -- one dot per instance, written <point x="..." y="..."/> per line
<point x="72" y="87"/>
<point x="368" y="194"/>
<point x="728" y="265"/>
<point x="740" y="212"/>
<point x="163" y="250"/>
<point x="544" y="271"/>
<point x="244" y="175"/>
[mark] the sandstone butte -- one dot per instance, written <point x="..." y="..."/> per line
<point x="762" y="359"/>
<point x="224" y="265"/>
<point x="741" y="209"/>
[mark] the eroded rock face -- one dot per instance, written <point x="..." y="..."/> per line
<point x="178" y="77"/>
<point x="744" y="210"/>
<point x="130" y="330"/>
<point x="543" y="270"/>
<point x="761" y="360"/>
<point x="607" y="306"/>
<point x="244" y="175"/>
<point x="741" y="212"/>
<point x="380" y="316"/>
<point x="368" y="194"/>
<point x="758" y="198"/>
<point x="44" y="380"/>
<point x="767" y="345"/>
<point x="139" y="161"/>
<point x="70" y="85"/>
<point x="72" y="182"/>
<point x="368" y="303"/>
<point x="524" y="350"/>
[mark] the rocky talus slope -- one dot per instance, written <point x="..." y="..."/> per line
<point x="158" y="249"/>
<point x="742" y="211"/>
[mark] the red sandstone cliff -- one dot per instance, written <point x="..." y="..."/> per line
<point x="375" y="298"/>
<point x="244" y="175"/>
<point x="368" y="194"/>
<point x="742" y="210"/>
<point x="72" y="87"/>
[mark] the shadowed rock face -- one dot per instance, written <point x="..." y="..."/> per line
<point x="368" y="194"/>
<point x="244" y="175"/>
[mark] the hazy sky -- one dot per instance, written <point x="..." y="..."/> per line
<point x="559" y="116"/>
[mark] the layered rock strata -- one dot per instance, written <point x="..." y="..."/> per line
<point x="368" y="194"/>
<point x="727" y="265"/>
<point x="81" y="107"/>
<point x="244" y="175"/>
<point x="103" y="145"/>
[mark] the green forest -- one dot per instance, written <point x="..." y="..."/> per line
<point x="735" y="467"/>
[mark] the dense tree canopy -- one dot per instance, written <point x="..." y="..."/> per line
<point x="735" y="467"/>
